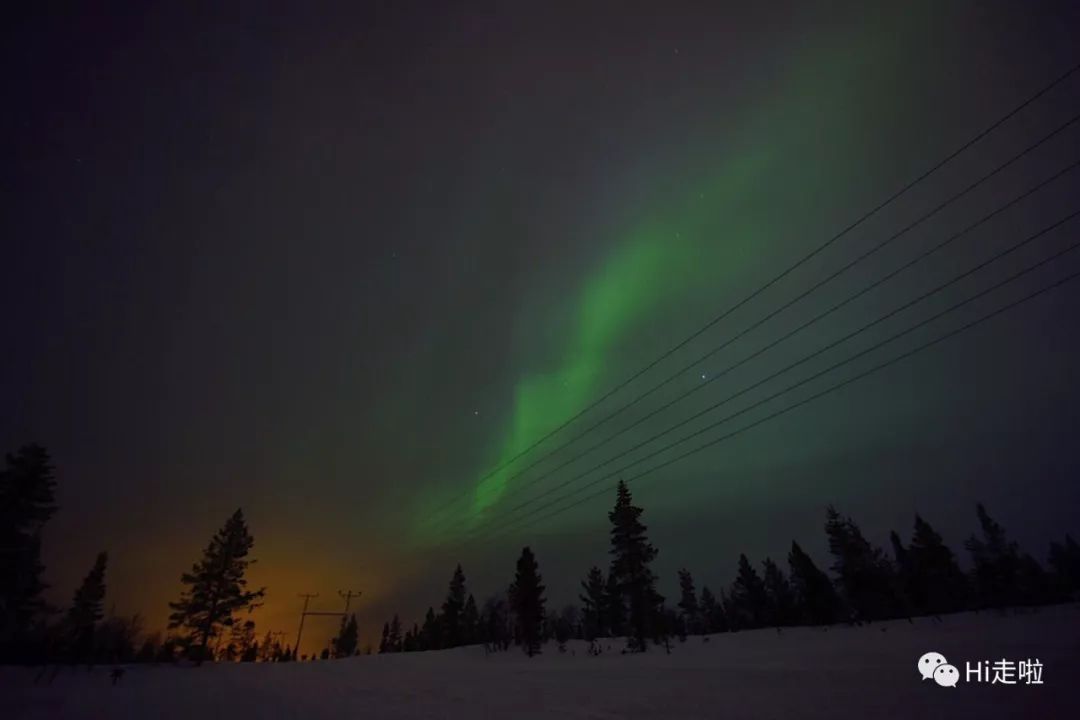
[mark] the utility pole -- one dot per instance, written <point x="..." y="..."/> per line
<point x="348" y="595"/>
<point x="303" y="614"/>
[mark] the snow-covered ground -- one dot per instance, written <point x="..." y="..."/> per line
<point x="863" y="673"/>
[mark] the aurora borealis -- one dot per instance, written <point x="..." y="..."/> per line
<point x="337" y="265"/>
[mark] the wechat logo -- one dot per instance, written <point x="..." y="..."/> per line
<point x="934" y="666"/>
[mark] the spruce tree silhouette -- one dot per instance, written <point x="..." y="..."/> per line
<point x="27" y="485"/>
<point x="864" y="573"/>
<point x="779" y="596"/>
<point x="934" y="581"/>
<point x="452" y="608"/>
<point x="614" y="607"/>
<point x="996" y="562"/>
<point x="393" y="640"/>
<point x="527" y="602"/>
<point x="712" y="612"/>
<point x="430" y="635"/>
<point x="216" y="588"/>
<point x="86" y="612"/>
<point x="634" y="580"/>
<point x="594" y="616"/>
<point x="470" y="621"/>
<point x="347" y="638"/>
<point x="384" y="641"/>
<point x="495" y="622"/>
<point x="689" y="612"/>
<point x="1064" y="560"/>
<point x="749" y="601"/>
<point x="816" y="600"/>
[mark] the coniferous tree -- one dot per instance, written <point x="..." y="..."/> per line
<point x="347" y="639"/>
<point x="384" y="643"/>
<point x="151" y="646"/>
<point x="527" y="602"/>
<point x="865" y="574"/>
<point x="594" y="617"/>
<point x="996" y="562"/>
<point x="636" y="583"/>
<point x="935" y="583"/>
<point x="87" y="611"/>
<point x="816" y="600"/>
<point x="117" y="637"/>
<point x="1064" y="560"/>
<point x="242" y="639"/>
<point x="779" y="595"/>
<point x="217" y="588"/>
<point x="470" y="621"/>
<point x="27" y="486"/>
<point x="393" y="640"/>
<point x="689" y="612"/>
<point x="712" y="612"/>
<point x="749" y="600"/>
<point x="614" y="607"/>
<point x="452" y="609"/>
<point x="430" y="635"/>
<point x="1034" y="585"/>
<point x="495" y="621"/>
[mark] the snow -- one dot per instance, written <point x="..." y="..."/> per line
<point x="866" y="672"/>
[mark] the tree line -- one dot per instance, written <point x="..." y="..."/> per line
<point x="920" y="578"/>
<point x="211" y="619"/>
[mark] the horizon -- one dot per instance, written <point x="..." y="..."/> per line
<point x="352" y="271"/>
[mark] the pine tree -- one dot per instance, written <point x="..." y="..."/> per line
<point x="689" y="612"/>
<point x="712" y="610"/>
<point x="749" y="600"/>
<point x="384" y="643"/>
<point x="347" y="639"/>
<point x="902" y="575"/>
<point x="393" y="640"/>
<point x="935" y="583"/>
<point x="527" y="602"/>
<point x="631" y="556"/>
<point x="452" y="609"/>
<point x="594" y="617"/>
<point x="865" y="574"/>
<point x="780" y="598"/>
<point x="1064" y="560"/>
<point x="816" y="600"/>
<point x="217" y="588"/>
<point x="87" y="611"/>
<point x="494" y="621"/>
<point x="614" y="607"/>
<point x="27" y="486"/>
<point x="997" y="563"/>
<point x="430" y="636"/>
<point x="242" y="638"/>
<point x="470" y="621"/>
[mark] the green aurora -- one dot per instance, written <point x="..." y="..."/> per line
<point x="670" y="257"/>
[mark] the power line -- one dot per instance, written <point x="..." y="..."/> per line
<point x="697" y="361"/>
<point x="881" y="366"/>
<point x="494" y="532"/>
<point x="798" y="263"/>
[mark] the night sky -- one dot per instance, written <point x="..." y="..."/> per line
<point x="335" y="263"/>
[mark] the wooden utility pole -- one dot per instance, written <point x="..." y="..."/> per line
<point x="347" y="595"/>
<point x="303" y="614"/>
